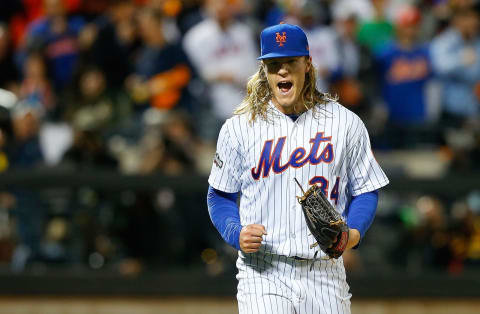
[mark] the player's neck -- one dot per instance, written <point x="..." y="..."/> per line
<point x="293" y="109"/>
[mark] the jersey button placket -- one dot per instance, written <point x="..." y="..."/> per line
<point x="293" y="201"/>
<point x="295" y="190"/>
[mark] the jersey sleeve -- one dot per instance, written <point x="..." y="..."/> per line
<point x="225" y="174"/>
<point x="364" y="172"/>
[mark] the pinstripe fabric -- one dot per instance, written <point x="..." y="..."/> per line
<point x="280" y="284"/>
<point x="261" y="160"/>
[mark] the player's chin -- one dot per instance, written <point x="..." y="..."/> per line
<point x="286" y="102"/>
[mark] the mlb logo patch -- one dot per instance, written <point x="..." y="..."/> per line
<point x="217" y="161"/>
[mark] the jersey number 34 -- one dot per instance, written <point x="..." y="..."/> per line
<point x="323" y="183"/>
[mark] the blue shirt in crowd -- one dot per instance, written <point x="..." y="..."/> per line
<point x="403" y="75"/>
<point x="61" y="49"/>
<point x="450" y="54"/>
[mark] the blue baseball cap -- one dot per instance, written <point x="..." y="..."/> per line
<point x="283" y="40"/>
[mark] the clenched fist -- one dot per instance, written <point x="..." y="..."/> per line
<point x="251" y="238"/>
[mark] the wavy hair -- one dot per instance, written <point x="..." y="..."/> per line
<point x="259" y="94"/>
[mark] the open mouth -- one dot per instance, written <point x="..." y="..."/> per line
<point x="285" y="87"/>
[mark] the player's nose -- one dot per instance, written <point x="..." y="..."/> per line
<point x="283" y="69"/>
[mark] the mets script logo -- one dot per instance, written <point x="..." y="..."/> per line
<point x="281" y="38"/>
<point x="270" y="159"/>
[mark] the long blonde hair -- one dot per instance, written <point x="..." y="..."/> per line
<point x="259" y="94"/>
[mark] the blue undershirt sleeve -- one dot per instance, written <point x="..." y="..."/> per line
<point x="361" y="212"/>
<point x="223" y="211"/>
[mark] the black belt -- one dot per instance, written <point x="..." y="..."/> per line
<point x="300" y="258"/>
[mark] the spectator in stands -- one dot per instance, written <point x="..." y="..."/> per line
<point x="170" y="10"/>
<point x="456" y="61"/>
<point x="35" y="88"/>
<point x="346" y="26"/>
<point x="56" y="34"/>
<point x="162" y="70"/>
<point x="94" y="110"/>
<point x="224" y="53"/>
<point x="170" y="147"/>
<point x="378" y="31"/>
<point x="8" y="75"/>
<point x="93" y="105"/>
<point x="90" y="116"/>
<point x="114" y="42"/>
<point x="24" y="151"/>
<point x="425" y="232"/>
<point x="404" y="69"/>
<point x="345" y="80"/>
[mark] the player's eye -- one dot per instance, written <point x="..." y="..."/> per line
<point x="273" y="66"/>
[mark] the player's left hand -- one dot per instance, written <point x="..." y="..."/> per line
<point x="353" y="238"/>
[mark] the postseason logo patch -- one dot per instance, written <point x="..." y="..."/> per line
<point x="217" y="161"/>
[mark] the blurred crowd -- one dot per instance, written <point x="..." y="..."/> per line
<point x="143" y="86"/>
<point x="419" y="233"/>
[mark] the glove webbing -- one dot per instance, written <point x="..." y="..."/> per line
<point x="315" y="200"/>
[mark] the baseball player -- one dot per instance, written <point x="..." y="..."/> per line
<point x="285" y="130"/>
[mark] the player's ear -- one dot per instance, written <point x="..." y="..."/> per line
<point x="263" y="68"/>
<point x="308" y="60"/>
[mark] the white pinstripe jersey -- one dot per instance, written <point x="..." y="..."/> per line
<point x="330" y="147"/>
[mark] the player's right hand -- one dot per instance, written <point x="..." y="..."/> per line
<point x="251" y="238"/>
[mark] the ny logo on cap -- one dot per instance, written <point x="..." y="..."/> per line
<point x="281" y="38"/>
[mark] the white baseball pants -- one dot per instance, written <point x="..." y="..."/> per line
<point x="273" y="284"/>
